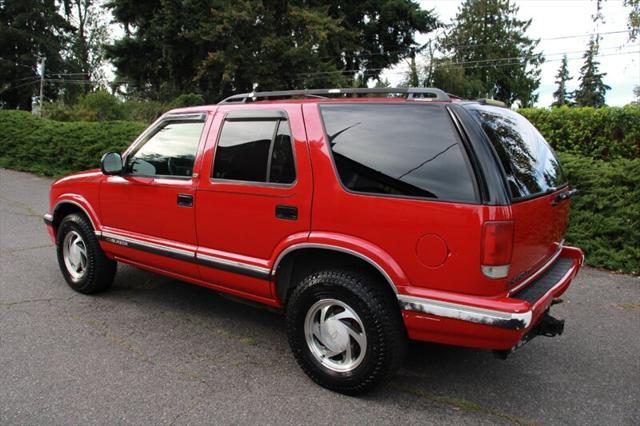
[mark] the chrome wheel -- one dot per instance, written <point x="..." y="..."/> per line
<point x="335" y="335"/>
<point x="74" y="252"/>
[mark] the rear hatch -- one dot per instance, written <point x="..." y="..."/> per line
<point x="534" y="178"/>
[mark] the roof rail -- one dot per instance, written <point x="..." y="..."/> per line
<point x="492" y="102"/>
<point x="417" y="93"/>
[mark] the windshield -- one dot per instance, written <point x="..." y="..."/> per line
<point x="530" y="164"/>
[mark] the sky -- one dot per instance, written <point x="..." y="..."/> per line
<point x="552" y="19"/>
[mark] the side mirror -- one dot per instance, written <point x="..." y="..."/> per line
<point x="111" y="163"/>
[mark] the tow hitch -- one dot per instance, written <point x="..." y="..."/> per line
<point x="547" y="326"/>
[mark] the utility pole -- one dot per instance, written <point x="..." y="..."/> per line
<point x="42" y="60"/>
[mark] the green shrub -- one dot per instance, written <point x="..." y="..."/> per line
<point x="54" y="148"/>
<point x="605" y="214"/>
<point x="102" y="105"/>
<point x="187" y="100"/>
<point x="604" y="133"/>
<point x="144" y="111"/>
<point x="95" y="106"/>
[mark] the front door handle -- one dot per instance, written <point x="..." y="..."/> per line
<point x="185" y="200"/>
<point x="287" y="212"/>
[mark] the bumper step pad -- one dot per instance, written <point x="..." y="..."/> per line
<point x="534" y="291"/>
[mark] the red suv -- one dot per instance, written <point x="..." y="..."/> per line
<point x="367" y="220"/>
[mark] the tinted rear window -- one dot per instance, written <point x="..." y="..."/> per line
<point x="400" y="149"/>
<point x="530" y="164"/>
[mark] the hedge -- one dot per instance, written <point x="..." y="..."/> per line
<point x="54" y="148"/>
<point x="604" y="133"/>
<point x="605" y="216"/>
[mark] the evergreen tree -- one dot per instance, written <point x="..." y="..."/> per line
<point x="561" y="95"/>
<point x="219" y="47"/>
<point x="592" y="89"/>
<point x="28" y="29"/>
<point x="451" y="78"/>
<point x="489" y="42"/>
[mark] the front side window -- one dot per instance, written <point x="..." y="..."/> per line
<point x="398" y="149"/>
<point x="255" y="151"/>
<point x="170" y="151"/>
<point x="530" y="164"/>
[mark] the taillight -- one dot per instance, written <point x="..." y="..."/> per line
<point x="497" y="245"/>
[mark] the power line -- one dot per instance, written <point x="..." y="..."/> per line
<point x="368" y="54"/>
<point x="451" y="65"/>
<point x="488" y="61"/>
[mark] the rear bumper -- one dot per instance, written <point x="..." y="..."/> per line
<point x="490" y="323"/>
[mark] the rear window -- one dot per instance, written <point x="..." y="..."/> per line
<point x="530" y="164"/>
<point x="400" y="149"/>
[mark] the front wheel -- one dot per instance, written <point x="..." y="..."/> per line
<point x="84" y="265"/>
<point x="345" y="332"/>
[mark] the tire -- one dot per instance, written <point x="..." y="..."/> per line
<point x="353" y="304"/>
<point x="84" y="265"/>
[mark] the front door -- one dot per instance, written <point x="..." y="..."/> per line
<point x="254" y="195"/>
<point x="148" y="212"/>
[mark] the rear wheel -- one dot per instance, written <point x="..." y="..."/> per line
<point x="84" y="265"/>
<point x="344" y="331"/>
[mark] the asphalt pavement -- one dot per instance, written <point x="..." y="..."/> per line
<point x="154" y="350"/>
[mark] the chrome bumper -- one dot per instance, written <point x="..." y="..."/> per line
<point x="510" y="320"/>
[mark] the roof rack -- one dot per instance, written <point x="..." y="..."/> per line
<point x="417" y="93"/>
<point x="492" y="102"/>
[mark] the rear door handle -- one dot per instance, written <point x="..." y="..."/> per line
<point x="563" y="196"/>
<point x="287" y="212"/>
<point x="185" y="200"/>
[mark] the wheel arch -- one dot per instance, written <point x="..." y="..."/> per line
<point x="66" y="207"/>
<point x="301" y="259"/>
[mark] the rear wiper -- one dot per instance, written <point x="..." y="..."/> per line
<point x="563" y="196"/>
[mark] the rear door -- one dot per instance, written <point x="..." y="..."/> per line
<point x="254" y="194"/>
<point x="534" y="179"/>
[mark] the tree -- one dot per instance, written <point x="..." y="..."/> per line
<point x="380" y="33"/>
<point x="217" y="48"/>
<point x="28" y="29"/>
<point x="451" y="78"/>
<point x="636" y="93"/>
<point x="633" y="19"/>
<point x="592" y="89"/>
<point x="86" y="45"/>
<point x="561" y="96"/>
<point x="489" y="42"/>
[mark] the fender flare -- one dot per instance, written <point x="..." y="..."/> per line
<point x="373" y="255"/>
<point x="83" y="204"/>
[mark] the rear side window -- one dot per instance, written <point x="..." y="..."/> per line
<point x="530" y="164"/>
<point x="255" y="151"/>
<point x="401" y="149"/>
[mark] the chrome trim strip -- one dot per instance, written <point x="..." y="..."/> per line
<point x="117" y="237"/>
<point x="334" y="248"/>
<point x="538" y="272"/>
<point x="220" y="262"/>
<point x="186" y="255"/>
<point x="510" y="320"/>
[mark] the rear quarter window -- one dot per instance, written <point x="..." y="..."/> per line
<point x="398" y="149"/>
<point x="530" y="164"/>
